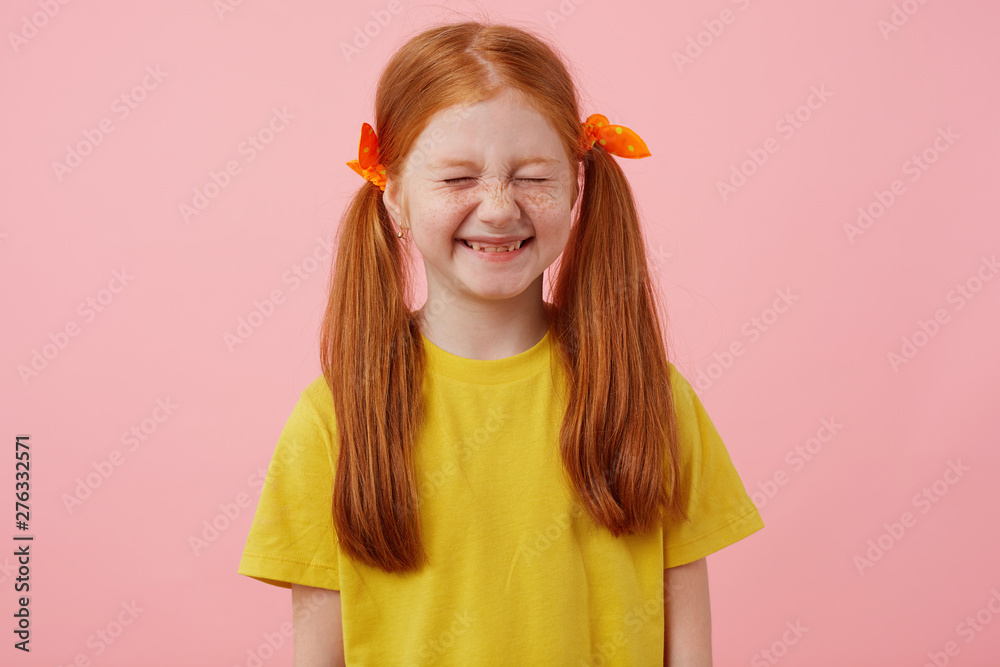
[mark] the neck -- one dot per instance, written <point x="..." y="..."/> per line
<point x="478" y="329"/>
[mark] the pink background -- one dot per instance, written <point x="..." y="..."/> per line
<point x="720" y="261"/>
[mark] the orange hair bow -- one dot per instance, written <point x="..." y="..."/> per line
<point x="367" y="164"/>
<point x="615" y="139"/>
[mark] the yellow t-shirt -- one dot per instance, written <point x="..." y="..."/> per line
<point x="518" y="573"/>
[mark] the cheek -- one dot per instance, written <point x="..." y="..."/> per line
<point x="440" y="215"/>
<point x="450" y="205"/>
<point x="547" y="204"/>
<point x="551" y="212"/>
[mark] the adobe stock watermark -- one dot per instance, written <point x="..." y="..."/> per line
<point x="959" y="296"/>
<point x="229" y="511"/>
<point x="465" y="449"/>
<point x="656" y="259"/>
<point x="651" y="610"/>
<point x="898" y="17"/>
<point x="7" y="569"/>
<point x="223" y="7"/>
<point x="914" y="167"/>
<point x="264" y="309"/>
<point x="754" y="328"/>
<point x="779" y="648"/>
<point x="105" y="636"/>
<point x="59" y="340"/>
<point x="121" y="107"/>
<point x="796" y="458"/>
<point x="372" y="29"/>
<point x="267" y="649"/>
<point x="249" y="148"/>
<point x="968" y="629"/>
<point x="703" y="39"/>
<point x="133" y="438"/>
<point x="304" y="607"/>
<point x="531" y="548"/>
<point x="565" y="9"/>
<point x="32" y="23"/>
<point x="438" y="304"/>
<point x="433" y="648"/>
<point x="923" y="501"/>
<point x="786" y="126"/>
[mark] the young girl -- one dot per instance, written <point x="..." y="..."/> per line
<point x="495" y="479"/>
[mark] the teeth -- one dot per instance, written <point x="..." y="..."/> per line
<point x="486" y="248"/>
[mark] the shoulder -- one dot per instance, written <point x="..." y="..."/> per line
<point x="318" y="397"/>
<point x="315" y="405"/>
<point x="692" y="418"/>
<point x="310" y="431"/>
<point x="682" y="391"/>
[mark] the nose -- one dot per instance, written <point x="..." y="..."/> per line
<point x="498" y="205"/>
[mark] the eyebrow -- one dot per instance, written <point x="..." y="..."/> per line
<point x="537" y="159"/>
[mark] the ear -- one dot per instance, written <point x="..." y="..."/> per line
<point x="391" y="200"/>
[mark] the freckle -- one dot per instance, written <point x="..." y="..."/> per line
<point x="497" y="193"/>
<point x="541" y="200"/>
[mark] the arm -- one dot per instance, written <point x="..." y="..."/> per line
<point x="687" y="639"/>
<point x="316" y="623"/>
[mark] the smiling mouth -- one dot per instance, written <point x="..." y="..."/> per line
<point x="480" y="247"/>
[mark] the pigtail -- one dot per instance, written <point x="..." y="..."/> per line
<point x="372" y="359"/>
<point x="618" y="440"/>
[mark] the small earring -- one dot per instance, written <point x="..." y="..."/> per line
<point x="401" y="234"/>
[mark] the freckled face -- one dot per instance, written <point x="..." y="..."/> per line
<point x="492" y="170"/>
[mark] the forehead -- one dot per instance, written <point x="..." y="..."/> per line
<point x="504" y="129"/>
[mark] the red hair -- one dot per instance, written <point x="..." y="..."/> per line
<point x="618" y="439"/>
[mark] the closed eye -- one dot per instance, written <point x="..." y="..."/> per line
<point x="469" y="178"/>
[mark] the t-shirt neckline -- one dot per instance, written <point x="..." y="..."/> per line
<point x="488" y="371"/>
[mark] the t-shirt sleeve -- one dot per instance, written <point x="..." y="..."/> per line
<point x="292" y="538"/>
<point x="719" y="510"/>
